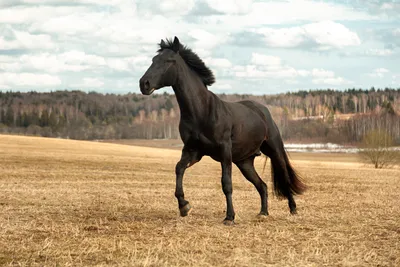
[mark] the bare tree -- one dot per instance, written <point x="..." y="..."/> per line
<point x="377" y="148"/>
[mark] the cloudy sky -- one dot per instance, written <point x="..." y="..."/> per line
<point x="259" y="47"/>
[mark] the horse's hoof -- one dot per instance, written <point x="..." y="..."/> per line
<point x="229" y="222"/>
<point x="185" y="210"/>
<point x="293" y="211"/>
<point x="262" y="215"/>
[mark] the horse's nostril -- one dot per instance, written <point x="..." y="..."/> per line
<point x="147" y="85"/>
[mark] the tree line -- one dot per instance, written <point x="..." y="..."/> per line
<point x="315" y="115"/>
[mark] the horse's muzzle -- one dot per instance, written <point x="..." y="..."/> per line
<point x="145" y="87"/>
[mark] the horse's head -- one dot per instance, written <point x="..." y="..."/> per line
<point x="163" y="71"/>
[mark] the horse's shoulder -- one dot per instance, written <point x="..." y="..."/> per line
<point x="250" y="104"/>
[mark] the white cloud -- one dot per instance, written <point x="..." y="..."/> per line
<point x="331" y="81"/>
<point x="11" y="39"/>
<point x="169" y="8"/>
<point x="321" y="73"/>
<point x="292" y="82"/>
<point x="324" y="34"/>
<point x="303" y="73"/>
<point x="217" y="62"/>
<point x="378" y="73"/>
<point x="231" y="6"/>
<point x="266" y="60"/>
<point x="389" y="6"/>
<point x="396" y="80"/>
<point x="75" y="61"/>
<point x="379" y="52"/>
<point x="205" y="39"/>
<point x="10" y="80"/>
<point x="89" y="83"/>
<point x="386" y="6"/>
<point x="77" y="3"/>
<point x="280" y="12"/>
<point x="176" y="7"/>
<point x="265" y="66"/>
<point x="8" y="63"/>
<point x="79" y="57"/>
<point x="272" y="67"/>
<point x="30" y="14"/>
<point x="50" y="2"/>
<point x="71" y="24"/>
<point x="255" y="72"/>
<point x="222" y="86"/>
<point x="329" y="33"/>
<point x="124" y="26"/>
<point x="118" y="64"/>
<point x="370" y="52"/>
<point x="381" y="70"/>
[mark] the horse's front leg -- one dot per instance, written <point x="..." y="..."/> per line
<point x="188" y="158"/>
<point x="226" y="180"/>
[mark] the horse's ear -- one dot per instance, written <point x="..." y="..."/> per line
<point x="162" y="43"/>
<point x="176" y="45"/>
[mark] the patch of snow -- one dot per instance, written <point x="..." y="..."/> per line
<point x="320" y="148"/>
<point x="324" y="148"/>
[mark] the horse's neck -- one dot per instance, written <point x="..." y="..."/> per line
<point x="193" y="97"/>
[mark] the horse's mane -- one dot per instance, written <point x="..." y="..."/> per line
<point x="192" y="60"/>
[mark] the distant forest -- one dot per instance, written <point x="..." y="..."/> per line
<point x="303" y="116"/>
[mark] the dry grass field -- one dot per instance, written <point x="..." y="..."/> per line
<point x="75" y="203"/>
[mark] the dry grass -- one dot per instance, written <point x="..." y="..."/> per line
<point x="72" y="203"/>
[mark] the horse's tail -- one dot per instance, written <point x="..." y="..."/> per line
<point x="286" y="180"/>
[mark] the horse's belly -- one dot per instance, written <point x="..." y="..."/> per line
<point x="244" y="144"/>
<point x="244" y="150"/>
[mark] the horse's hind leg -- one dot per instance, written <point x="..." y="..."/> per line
<point x="247" y="169"/>
<point x="280" y="171"/>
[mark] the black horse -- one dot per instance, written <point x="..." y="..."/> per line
<point x="228" y="132"/>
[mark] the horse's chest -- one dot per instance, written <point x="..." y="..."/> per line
<point x="201" y="142"/>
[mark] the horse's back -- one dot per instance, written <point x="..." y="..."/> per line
<point x="260" y="109"/>
<point x="264" y="112"/>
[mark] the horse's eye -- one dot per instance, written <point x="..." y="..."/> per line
<point x="171" y="60"/>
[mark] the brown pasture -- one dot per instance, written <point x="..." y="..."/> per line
<point x="78" y="203"/>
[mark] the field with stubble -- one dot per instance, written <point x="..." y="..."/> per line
<point x="75" y="203"/>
